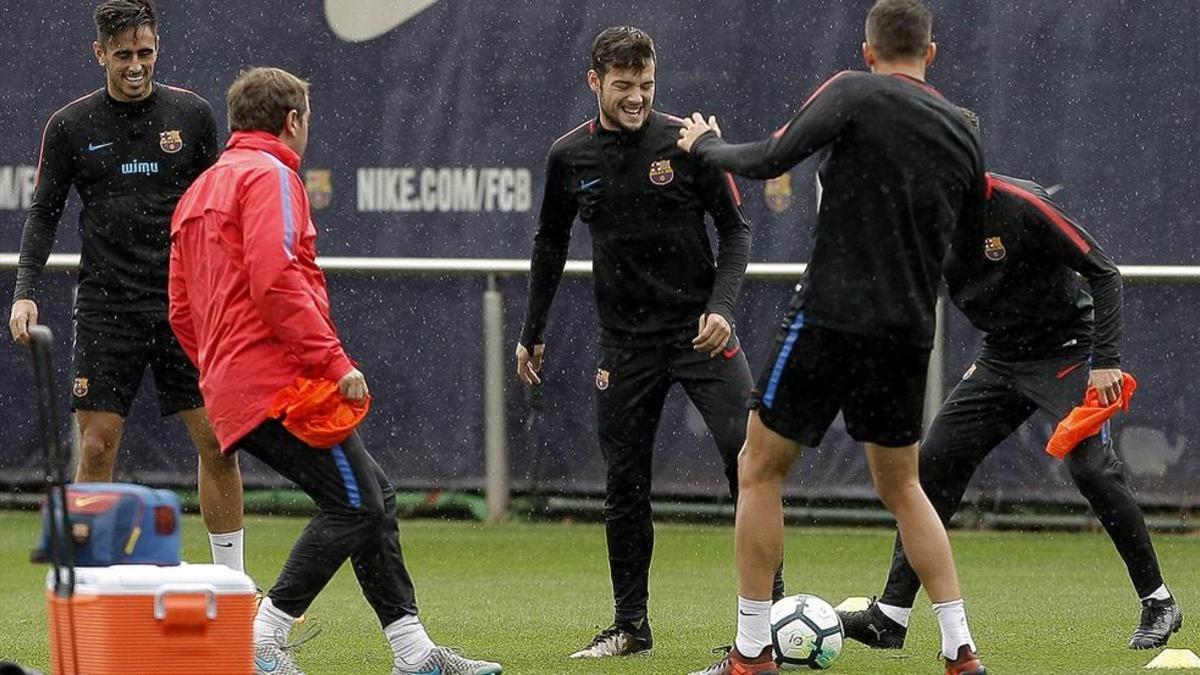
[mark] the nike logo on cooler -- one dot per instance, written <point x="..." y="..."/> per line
<point x="92" y="147"/>
<point x="362" y="20"/>
<point x="588" y="184"/>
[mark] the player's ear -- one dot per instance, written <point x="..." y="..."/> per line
<point x="593" y="80"/>
<point x="868" y="55"/>
<point x="930" y="53"/>
<point x="99" y="52"/>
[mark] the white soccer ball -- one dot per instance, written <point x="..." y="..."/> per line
<point x="806" y="632"/>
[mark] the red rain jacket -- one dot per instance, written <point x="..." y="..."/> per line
<point x="247" y="299"/>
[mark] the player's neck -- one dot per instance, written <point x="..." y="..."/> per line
<point x="915" y="70"/>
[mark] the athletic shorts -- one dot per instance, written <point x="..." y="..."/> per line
<point x="111" y="353"/>
<point x="814" y="373"/>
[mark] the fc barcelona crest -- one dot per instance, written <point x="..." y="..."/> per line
<point x="81" y="387"/>
<point x="319" y="183"/>
<point x="661" y="172"/>
<point x="601" y="379"/>
<point x="993" y="248"/>
<point x="170" y="141"/>
<point x="778" y="193"/>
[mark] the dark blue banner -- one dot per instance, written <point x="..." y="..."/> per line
<point x="431" y="123"/>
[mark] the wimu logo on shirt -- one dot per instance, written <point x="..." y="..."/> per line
<point x="136" y="167"/>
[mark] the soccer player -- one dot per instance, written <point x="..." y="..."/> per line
<point x="250" y="307"/>
<point x="130" y="149"/>
<point x="1017" y="277"/>
<point x="665" y="304"/>
<point x="901" y="170"/>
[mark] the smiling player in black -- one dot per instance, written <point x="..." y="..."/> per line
<point x="130" y="149"/>
<point x="666" y="305"/>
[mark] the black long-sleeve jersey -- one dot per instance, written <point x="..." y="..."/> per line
<point x="1020" y="276"/>
<point x="644" y="201"/>
<point x="130" y="162"/>
<point x="900" y="170"/>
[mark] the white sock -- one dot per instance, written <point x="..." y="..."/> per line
<point x="227" y="549"/>
<point x="270" y="622"/>
<point x="753" y="626"/>
<point x="1160" y="593"/>
<point x="898" y="614"/>
<point x="410" y="643"/>
<point x="952" y="619"/>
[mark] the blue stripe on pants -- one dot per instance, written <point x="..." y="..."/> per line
<point x="785" y="351"/>
<point x="343" y="465"/>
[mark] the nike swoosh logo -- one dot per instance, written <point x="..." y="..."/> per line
<point x="732" y="351"/>
<point x="264" y="665"/>
<point x="224" y="545"/>
<point x="437" y="670"/>
<point x="588" y="184"/>
<point x="86" y="501"/>
<point x="362" y="20"/>
<point x="92" y="147"/>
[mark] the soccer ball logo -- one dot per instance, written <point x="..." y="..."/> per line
<point x="805" y="631"/>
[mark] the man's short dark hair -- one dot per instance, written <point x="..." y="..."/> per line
<point x="261" y="98"/>
<point x="114" y="17"/>
<point x="899" y="29"/>
<point x="621" y="48"/>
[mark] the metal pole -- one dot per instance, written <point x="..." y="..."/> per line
<point x="935" y="389"/>
<point x="495" y="432"/>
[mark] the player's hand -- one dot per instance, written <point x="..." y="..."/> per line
<point x="1107" y="383"/>
<point x="712" y="335"/>
<point x="24" y="315"/>
<point x="695" y="127"/>
<point x="353" y="386"/>
<point x="528" y="364"/>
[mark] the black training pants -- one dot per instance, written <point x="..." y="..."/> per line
<point x="993" y="399"/>
<point x="356" y="519"/>
<point x="631" y="388"/>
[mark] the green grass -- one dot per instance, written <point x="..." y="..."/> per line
<point x="527" y="594"/>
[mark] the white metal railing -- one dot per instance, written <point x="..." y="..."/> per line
<point x="496" y="353"/>
<point x="582" y="268"/>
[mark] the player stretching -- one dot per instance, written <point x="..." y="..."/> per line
<point x="902" y="169"/>
<point x="1046" y="339"/>
<point x="666" y="306"/>
<point x="130" y="149"/>
<point x="250" y="307"/>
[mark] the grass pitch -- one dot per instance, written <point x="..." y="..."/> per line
<point x="528" y="594"/>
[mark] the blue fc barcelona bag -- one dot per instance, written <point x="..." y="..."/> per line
<point x="118" y="524"/>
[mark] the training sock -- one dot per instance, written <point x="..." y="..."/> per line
<point x="952" y="619"/>
<point x="753" y="626"/>
<point x="271" y="621"/>
<point x="898" y="614"/>
<point x="227" y="549"/>
<point x="1160" y="593"/>
<point x="410" y="643"/>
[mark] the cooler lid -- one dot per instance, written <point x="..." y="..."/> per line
<point x="149" y="579"/>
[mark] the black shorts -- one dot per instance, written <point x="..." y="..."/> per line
<point x="814" y="373"/>
<point x="110" y="355"/>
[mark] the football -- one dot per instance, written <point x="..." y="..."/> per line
<point x="806" y="632"/>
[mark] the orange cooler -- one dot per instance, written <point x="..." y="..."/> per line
<point x="150" y="620"/>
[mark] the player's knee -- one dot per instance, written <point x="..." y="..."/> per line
<point x="758" y="465"/>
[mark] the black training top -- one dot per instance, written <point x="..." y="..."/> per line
<point x="644" y="201"/>
<point x="900" y="170"/>
<point x="130" y="164"/>
<point x="1017" y="278"/>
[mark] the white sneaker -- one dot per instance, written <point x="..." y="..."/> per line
<point x="274" y="658"/>
<point x="446" y="661"/>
